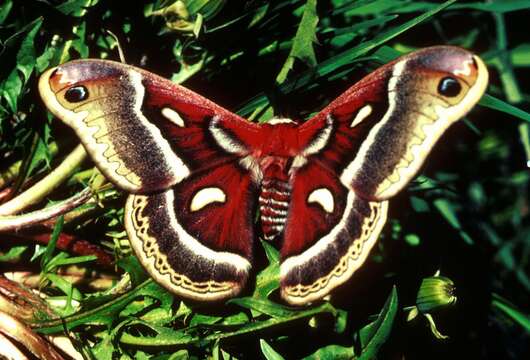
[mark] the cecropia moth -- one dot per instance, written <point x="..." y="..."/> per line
<point x="197" y="174"/>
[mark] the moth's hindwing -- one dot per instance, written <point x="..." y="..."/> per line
<point x="196" y="238"/>
<point x="329" y="233"/>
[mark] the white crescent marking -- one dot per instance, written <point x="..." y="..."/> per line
<point x="223" y="139"/>
<point x="195" y="246"/>
<point x="362" y="114"/>
<point x="324" y="198"/>
<point x="321" y="139"/>
<point x="173" y="116"/>
<point x="298" y="162"/>
<point x="207" y="196"/>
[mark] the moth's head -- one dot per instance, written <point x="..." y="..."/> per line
<point x="448" y="76"/>
<point x="67" y="88"/>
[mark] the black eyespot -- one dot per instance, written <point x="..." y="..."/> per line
<point x="449" y="86"/>
<point x="76" y="94"/>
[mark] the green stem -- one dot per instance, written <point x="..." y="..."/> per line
<point x="507" y="76"/>
<point x="250" y="328"/>
<point x="42" y="188"/>
<point x="12" y="172"/>
<point x="98" y="314"/>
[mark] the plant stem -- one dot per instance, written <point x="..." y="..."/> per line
<point x="42" y="188"/>
<point x="12" y="171"/>
<point x="17" y="222"/>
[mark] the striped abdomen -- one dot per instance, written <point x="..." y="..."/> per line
<point x="274" y="203"/>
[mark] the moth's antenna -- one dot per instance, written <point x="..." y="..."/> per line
<point x="120" y="50"/>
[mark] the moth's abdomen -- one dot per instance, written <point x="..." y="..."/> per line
<point x="273" y="204"/>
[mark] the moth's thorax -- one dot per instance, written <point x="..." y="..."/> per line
<point x="280" y="140"/>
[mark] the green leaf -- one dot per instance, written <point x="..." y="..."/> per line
<point x="41" y="152"/>
<point x="104" y="350"/>
<point x="259" y="14"/>
<point x="375" y="334"/>
<point x="342" y="59"/>
<point x="497" y="104"/>
<point x="524" y="136"/>
<point x="412" y="239"/>
<point x="76" y="8"/>
<point x="335" y="352"/>
<point x="132" y="266"/>
<point x="240" y="318"/>
<point x="13" y="254"/>
<point x="63" y="259"/>
<point x="369" y="7"/>
<point x="203" y="319"/>
<point x="447" y="210"/>
<point x="5" y="9"/>
<point x="268" y="351"/>
<point x="302" y="48"/>
<point x="66" y="287"/>
<point x="79" y="44"/>
<point x="102" y="314"/>
<point x="268" y="279"/>
<point x="169" y="337"/>
<point x="520" y="55"/>
<point x="512" y="312"/>
<point x="341" y="321"/>
<point x="11" y="88"/>
<point x="50" y="248"/>
<point x="26" y="55"/>
<point x="419" y="205"/>
<point x="342" y="36"/>
<point x="263" y="306"/>
<point x="499" y="6"/>
<point x="187" y="71"/>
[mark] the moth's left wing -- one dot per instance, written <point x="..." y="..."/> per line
<point x="360" y="151"/>
<point x="190" y="221"/>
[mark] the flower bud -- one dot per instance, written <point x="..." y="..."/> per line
<point x="435" y="292"/>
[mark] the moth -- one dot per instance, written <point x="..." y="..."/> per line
<point x="198" y="174"/>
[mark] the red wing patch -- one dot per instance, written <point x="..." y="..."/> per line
<point x="328" y="235"/>
<point x="219" y="206"/>
<point x="196" y="239"/>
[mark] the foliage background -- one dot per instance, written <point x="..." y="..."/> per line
<point x="467" y="214"/>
